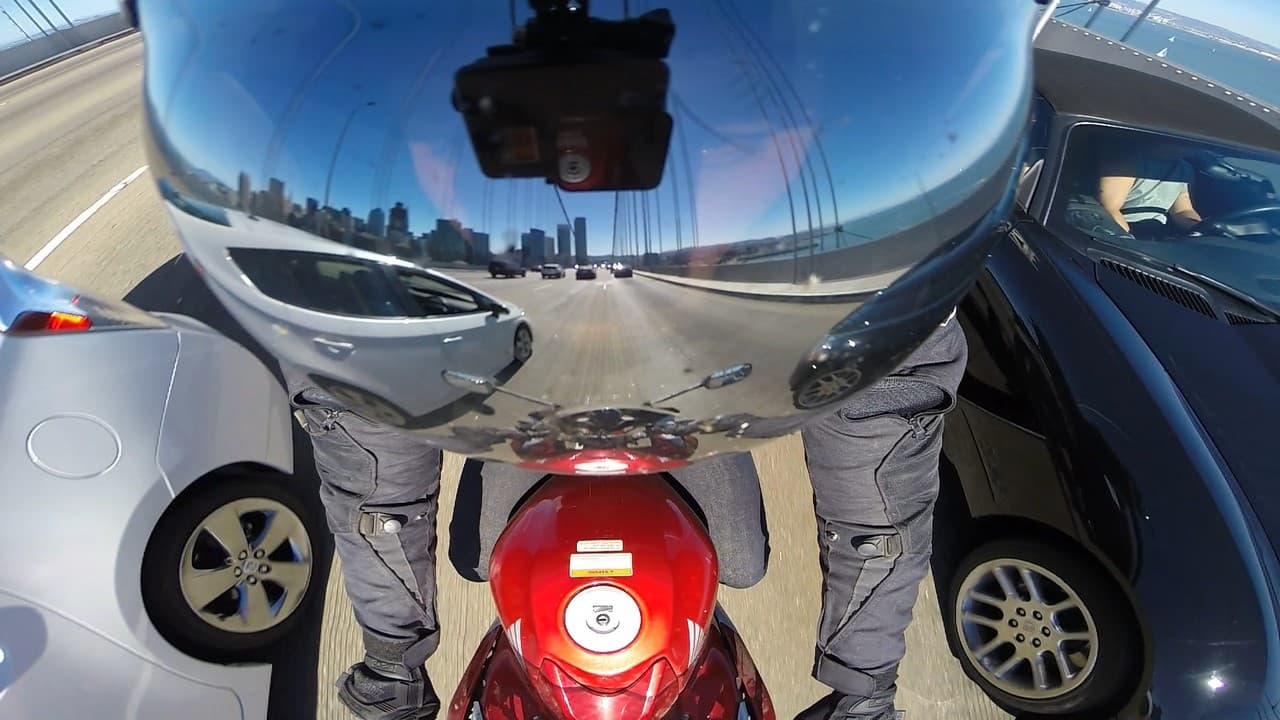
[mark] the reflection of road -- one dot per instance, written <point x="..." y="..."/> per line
<point x="659" y="337"/>
<point x="70" y="132"/>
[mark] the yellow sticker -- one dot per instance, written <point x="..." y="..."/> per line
<point x="600" y="565"/>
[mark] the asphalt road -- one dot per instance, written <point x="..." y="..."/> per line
<point x="71" y="132"/>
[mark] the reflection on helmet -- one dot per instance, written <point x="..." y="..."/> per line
<point x="804" y="190"/>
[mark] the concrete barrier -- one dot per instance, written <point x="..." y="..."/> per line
<point x="43" y="51"/>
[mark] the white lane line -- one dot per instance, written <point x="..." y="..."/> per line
<point x="65" y="232"/>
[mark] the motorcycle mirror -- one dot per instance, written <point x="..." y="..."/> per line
<point x="486" y="386"/>
<point x="727" y="376"/>
<point x="471" y="383"/>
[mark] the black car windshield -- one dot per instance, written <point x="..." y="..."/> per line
<point x="1208" y="209"/>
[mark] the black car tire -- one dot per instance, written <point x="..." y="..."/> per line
<point x="163" y="559"/>
<point x="1118" y="649"/>
<point x="523" y="339"/>
<point x="824" y="385"/>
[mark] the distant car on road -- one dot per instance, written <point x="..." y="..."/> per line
<point x="506" y="268"/>
<point x="172" y="449"/>
<point x="585" y="272"/>
<point x="621" y="271"/>
<point x="1113" y="448"/>
<point x="552" y="270"/>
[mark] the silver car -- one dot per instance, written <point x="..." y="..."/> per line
<point x="319" y="302"/>
<point x="147" y="533"/>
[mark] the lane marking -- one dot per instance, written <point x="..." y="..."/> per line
<point x="65" y="232"/>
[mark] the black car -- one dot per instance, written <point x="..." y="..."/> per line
<point x="1113" y="456"/>
<point x="622" y="271"/>
<point x="585" y="272"/>
<point x="506" y="268"/>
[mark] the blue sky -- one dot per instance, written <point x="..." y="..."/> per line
<point x="859" y="82"/>
<point x="75" y="9"/>
<point x="416" y="152"/>
<point x="1253" y="18"/>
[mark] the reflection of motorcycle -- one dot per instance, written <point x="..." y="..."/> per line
<point x="605" y="441"/>
<point x="590" y="622"/>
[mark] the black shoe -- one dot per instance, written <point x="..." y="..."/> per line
<point x="381" y="691"/>
<point x="849" y="707"/>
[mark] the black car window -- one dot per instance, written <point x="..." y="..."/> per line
<point x="433" y="297"/>
<point x="1203" y="207"/>
<point x="332" y="284"/>
<point x="1038" y="147"/>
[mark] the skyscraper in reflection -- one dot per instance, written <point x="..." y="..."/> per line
<point x="480" y="251"/>
<point x="399" y="221"/>
<point x="245" y="195"/>
<point x="537" y="244"/>
<point x="447" y="243"/>
<point x="275" y="202"/>
<point x="565" y="253"/>
<point x="377" y="222"/>
<point x="580" y="239"/>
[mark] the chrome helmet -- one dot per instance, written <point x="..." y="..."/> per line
<point x="757" y="207"/>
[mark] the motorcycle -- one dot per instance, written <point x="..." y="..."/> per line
<point x="606" y="598"/>
<point x="605" y="585"/>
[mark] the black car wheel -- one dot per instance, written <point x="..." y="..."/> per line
<point x="825" y="385"/>
<point x="523" y="344"/>
<point x="227" y="572"/>
<point x="1042" y="630"/>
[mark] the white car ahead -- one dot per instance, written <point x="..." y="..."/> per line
<point x="316" y="301"/>
<point x="147" y="533"/>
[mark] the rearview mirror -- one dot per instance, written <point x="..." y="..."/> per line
<point x="727" y="376"/>
<point x="470" y="383"/>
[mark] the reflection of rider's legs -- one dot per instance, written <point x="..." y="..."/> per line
<point x="874" y="468"/>
<point x="380" y="490"/>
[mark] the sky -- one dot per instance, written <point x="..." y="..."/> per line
<point x="74" y="9"/>
<point x="859" y="86"/>
<point x="256" y="103"/>
<point x="1258" y="19"/>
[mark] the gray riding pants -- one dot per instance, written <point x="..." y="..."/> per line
<point x="380" y="490"/>
<point x="873" y="463"/>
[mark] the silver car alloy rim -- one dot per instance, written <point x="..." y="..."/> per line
<point x="524" y="344"/>
<point x="1025" y="630"/>
<point x="246" y="566"/>
<point x="828" y="388"/>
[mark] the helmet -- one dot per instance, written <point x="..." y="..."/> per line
<point x="760" y="206"/>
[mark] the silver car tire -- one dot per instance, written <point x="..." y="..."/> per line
<point x="1016" y="600"/>
<point x="229" y="569"/>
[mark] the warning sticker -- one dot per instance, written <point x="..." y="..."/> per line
<point x="585" y="546"/>
<point x="616" y="564"/>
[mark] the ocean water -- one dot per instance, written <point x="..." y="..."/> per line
<point x="1246" y="72"/>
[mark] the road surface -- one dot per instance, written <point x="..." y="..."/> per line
<point x="71" y="132"/>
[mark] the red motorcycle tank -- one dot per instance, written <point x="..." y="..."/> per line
<point x="606" y="588"/>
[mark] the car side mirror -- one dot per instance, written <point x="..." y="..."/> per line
<point x="497" y="309"/>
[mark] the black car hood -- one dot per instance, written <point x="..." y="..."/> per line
<point x="1229" y="374"/>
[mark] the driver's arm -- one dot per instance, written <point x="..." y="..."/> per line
<point x="1182" y="213"/>
<point x="1113" y="190"/>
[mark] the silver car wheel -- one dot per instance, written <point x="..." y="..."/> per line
<point x="1025" y="630"/>
<point x="246" y="566"/>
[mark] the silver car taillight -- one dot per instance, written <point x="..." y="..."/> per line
<point x="32" y="305"/>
